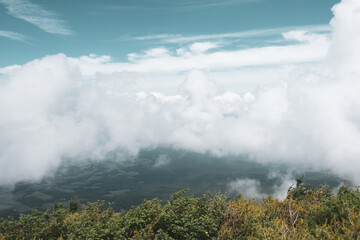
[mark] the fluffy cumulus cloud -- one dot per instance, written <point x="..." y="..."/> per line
<point x="59" y="107"/>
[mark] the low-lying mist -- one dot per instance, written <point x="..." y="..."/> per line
<point x="154" y="173"/>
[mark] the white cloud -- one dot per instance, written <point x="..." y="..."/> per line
<point x="201" y="47"/>
<point x="36" y="14"/>
<point x="345" y="45"/>
<point x="59" y="107"/>
<point x="162" y="160"/>
<point x="193" y="4"/>
<point x="185" y="5"/>
<point x="247" y="187"/>
<point x="230" y="102"/>
<point x="164" y="99"/>
<point x="13" y="35"/>
<point x="160" y="60"/>
<point x="158" y="36"/>
<point x="252" y="187"/>
<point x="302" y="36"/>
<point x="178" y="38"/>
<point x="286" y="181"/>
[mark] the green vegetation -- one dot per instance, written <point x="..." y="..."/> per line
<point x="307" y="213"/>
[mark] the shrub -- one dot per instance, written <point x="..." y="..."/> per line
<point x="307" y="213"/>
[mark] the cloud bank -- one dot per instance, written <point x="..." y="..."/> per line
<point x="60" y="107"/>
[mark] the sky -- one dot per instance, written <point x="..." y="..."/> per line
<point x="31" y="29"/>
<point x="274" y="80"/>
<point x="168" y="38"/>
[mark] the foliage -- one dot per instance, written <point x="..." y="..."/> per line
<point x="307" y="213"/>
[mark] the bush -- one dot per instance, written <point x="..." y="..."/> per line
<point x="307" y="213"/>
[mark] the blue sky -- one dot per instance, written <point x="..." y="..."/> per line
<point x="31" y="29"/>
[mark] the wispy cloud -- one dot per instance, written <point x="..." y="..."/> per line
<point x="304" y="47"/>
<point x="13" y="35"/>
<point x="194" y="4"/>
<point x="174" y="5"/>
<point x="37" y="15"/>
<point x="178" y="38"/>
